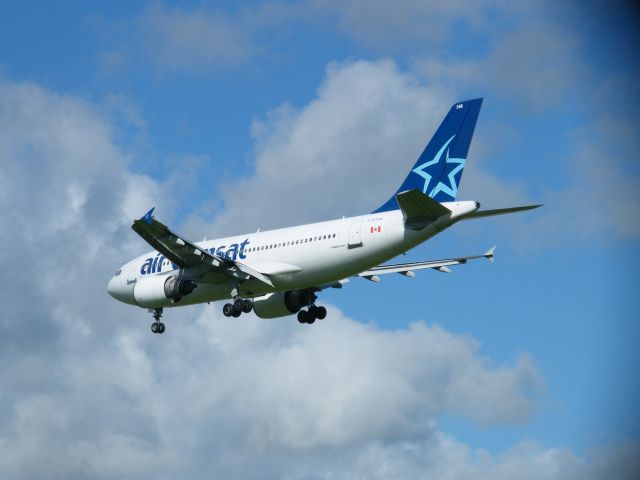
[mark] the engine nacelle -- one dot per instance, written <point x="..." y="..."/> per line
<point x="281" y="304"/>
<point x="161" y="290"/>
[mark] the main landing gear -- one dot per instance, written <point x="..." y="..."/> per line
<point x="310" y="316"/>
<point x="157" y="326"/>
<point x="237" y="308"/>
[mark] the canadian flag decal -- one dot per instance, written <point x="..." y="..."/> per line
<point x="377" y="229"/>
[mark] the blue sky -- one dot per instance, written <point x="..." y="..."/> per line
<point x="228" y="118"/>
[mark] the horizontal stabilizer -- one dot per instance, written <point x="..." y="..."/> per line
<point x="499" y="211"/>
<point x="418" y="209"/>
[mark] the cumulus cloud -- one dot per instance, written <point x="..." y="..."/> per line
<point x="260" y="398"/>
<point x="235" y="395"/>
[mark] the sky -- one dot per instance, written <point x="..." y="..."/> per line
<point x="230" y="117"/>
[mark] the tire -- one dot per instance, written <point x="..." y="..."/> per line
<point x="311" y="319"/>
<point x="227" y="310"/>
<point x="321" y="313"/>
<point x="154" y="327"/>
<point x="238" y="305"/>
<point x="236" y="313"/>
<point x="161" y="328"/>
<point x="248" y="306"/>
<point x="302" y="316"/>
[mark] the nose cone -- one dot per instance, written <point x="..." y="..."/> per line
<point x="120" y="289"/>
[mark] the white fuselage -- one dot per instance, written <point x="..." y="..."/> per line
<point x="296" y="257"/>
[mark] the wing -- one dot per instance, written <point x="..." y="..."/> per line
<point x="407" y="269"/>
<point x="186" y="254"/>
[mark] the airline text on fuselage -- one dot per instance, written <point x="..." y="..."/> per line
<point x="232" y="252"/>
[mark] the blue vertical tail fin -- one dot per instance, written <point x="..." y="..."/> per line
<point x="438" y="171"/>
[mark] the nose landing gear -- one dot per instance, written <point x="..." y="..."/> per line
<point x="157" y="326"/>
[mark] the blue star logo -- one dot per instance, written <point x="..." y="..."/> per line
<point x="452" y="167"/>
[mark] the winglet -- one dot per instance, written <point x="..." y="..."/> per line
<point x="490" y="254"/>
<point x="148" y="217"/>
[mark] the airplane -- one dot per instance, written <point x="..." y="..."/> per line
<point x="279" y="272"/>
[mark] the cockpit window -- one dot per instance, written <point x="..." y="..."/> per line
<point x="118" y="272"/>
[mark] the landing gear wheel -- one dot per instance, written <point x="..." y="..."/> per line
<point x="227" y="310"/>
<point x="157" y="326"/>
<point x="321" y="313"/>
<point x="238" y="305"/>
<point x="236" y="313"/>
<point x="302" y="316"/>
<point x="248" y="306"/>
<point x="310" y="319"/>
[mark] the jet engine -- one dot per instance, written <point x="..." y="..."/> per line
<point x="161" y="290"/>
<point x="280" y="304"/>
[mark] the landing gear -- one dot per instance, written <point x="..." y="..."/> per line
<point x="157" y="326"/>
<point x="238" y="307"/>
<point x="303" y="316"/>
<point x="310" y="316"/>
<point x="248" y="306"/>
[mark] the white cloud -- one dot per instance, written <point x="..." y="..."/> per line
<point x="259" y="399"/>
<point x="214" y="390"/>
